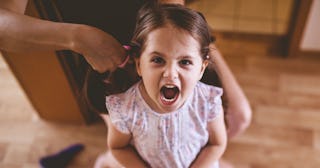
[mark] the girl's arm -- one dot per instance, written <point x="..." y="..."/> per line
<point x="237" y="108"/>
<point x="120" y="148"/>
<point x="213" y="151"/>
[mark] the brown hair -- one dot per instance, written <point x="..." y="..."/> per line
<point x="150" y="17"/>
<point x="153" y="16"/>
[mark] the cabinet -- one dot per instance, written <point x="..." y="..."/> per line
<point x="49" y="83"/>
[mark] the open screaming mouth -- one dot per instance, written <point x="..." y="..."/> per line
<point x="169" y="94"/>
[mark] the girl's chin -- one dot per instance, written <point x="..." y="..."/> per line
<point x="169" y="109"/>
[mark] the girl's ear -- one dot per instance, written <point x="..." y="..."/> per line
<point x="203" y="68"/>
<point x="137" y="62"/>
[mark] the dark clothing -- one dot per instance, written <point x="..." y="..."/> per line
<point x="116" y="17"/>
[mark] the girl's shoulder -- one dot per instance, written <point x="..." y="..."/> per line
<point x="208" y="91"/>
<point x="207" y="98"/>
<point x="120" y="107"/>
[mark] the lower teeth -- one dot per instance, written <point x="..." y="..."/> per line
<point x="168" y="100"/>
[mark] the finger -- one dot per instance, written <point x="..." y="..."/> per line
<point x="92" y="63"/>
<point x="104" y="64"/>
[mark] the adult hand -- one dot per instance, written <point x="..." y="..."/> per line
<point x="20" y="33"/>
<point x="102" y="51"/>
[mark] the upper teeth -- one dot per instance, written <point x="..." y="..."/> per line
<point x="170" y="86"/>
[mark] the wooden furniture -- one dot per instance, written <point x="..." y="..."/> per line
<point x="54" y="81"/>
<point x="51" y="80"/>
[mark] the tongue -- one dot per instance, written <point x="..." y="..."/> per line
<point x="169" y="93"/>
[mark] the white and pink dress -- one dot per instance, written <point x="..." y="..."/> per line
<point x="169" y="140"/>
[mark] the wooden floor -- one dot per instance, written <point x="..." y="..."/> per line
<point x="284" y="95"/>
<point x="24" y="138"/>
<point x="285" y="98"/>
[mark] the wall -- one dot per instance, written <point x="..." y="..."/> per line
<point x="311" y="36"/>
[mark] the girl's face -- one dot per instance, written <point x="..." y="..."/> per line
<point x="170" y="66"/>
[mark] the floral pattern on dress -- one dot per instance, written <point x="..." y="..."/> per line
<point x="166" y="140"/>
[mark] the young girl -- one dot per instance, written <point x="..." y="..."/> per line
<point x="169" y="117"/>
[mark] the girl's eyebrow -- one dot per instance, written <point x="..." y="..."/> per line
<point x="157" y="53"/>
<point x="186" y="57"/>
<point x="164" y="55"/>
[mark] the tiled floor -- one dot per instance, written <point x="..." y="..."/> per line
<point x="249" y="16"/>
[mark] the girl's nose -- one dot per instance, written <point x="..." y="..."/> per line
<point x="170" y="72"/>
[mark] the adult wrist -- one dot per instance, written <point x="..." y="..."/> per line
<point x="75" y="31"/>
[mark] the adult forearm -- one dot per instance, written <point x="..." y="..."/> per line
<point x="182" y="2"/>
<point x="128" y="157"/>
<point x="237" y="104"/>
<point x="18" y="6"/>
<point x="231" y="87"/>
<point x="21" y="33"/>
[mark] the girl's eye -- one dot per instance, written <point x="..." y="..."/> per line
<point x="157" y="60"/>
<point x="185" y="62"/>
